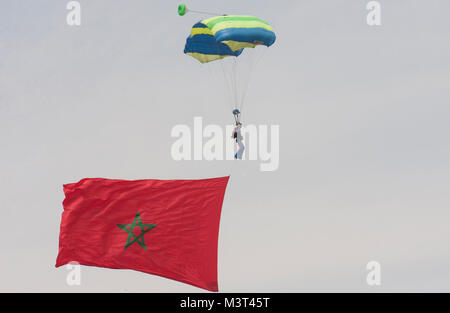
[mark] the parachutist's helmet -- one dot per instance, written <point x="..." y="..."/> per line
<point x="236" y="112"/>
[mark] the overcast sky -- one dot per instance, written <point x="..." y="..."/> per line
<point x="364" y="120"/>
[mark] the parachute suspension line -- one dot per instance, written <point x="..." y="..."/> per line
<point x="236" y="91"/>
<point x="261" y="55"/>
<point x="246" y="79"/>
<point x="206" y="13"/>
<point x="214" y="74"/>
<point x="232" y="76"/>
<point x="229" y="73"/>
<point x="229" y="68"/>
<point x="253" y="63"/>
<point x="228" y="83"/>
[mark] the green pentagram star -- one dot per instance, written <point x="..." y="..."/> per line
<point x="137" y="222"/>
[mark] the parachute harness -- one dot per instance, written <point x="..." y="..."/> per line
<point x="237" y="116"/>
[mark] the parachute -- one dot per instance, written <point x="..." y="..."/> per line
<point x="219" y="37"/>
<point x="222" y="36"/>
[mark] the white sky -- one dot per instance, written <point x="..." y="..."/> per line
<point x="364" y="139"/>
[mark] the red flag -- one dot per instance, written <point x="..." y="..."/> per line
<point x="168" y="228"/>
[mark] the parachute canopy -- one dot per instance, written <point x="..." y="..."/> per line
<point x="221" y="36"/>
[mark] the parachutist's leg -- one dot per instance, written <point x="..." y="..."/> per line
<point x="240" y="152"/>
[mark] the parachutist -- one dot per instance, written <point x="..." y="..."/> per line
<point x="238" y="137"/>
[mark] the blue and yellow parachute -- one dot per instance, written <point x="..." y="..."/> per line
<point x="221" y="36"/>
<point x="218" y="37"/>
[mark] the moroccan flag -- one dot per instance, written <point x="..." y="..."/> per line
<point x="168" y="228"/>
